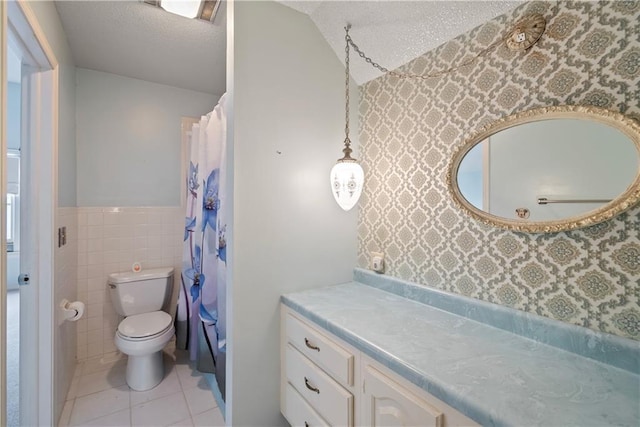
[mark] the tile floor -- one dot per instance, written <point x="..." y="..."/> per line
<point x="99" y="396"/>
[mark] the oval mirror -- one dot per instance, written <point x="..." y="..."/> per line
<point x="549" y="169"/>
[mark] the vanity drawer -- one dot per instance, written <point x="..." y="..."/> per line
<point x="298" y="412"/>
<point x="330" y="399"/>
<point x="325" y="352"/>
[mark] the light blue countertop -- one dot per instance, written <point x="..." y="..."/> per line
<point x="493" y="376"/>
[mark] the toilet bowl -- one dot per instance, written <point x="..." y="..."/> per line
<point x="142" y="338"/>
<point x="145" y="330"/>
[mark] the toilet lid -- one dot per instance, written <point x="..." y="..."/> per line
<point x="144" y="325"/>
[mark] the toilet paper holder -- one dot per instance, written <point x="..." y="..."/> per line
<point x="72" y="311"/>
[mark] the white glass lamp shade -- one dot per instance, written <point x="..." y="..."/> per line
<point x="347" y="179"/>
<point x="186" y="8"/>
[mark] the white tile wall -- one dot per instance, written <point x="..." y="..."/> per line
<point x="111" y="240"/>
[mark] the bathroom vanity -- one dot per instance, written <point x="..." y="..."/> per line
<point x="332" y="376"/>
<point x="380" y="351"/>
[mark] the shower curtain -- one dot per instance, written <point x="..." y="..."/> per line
<point x="201" y="312"/>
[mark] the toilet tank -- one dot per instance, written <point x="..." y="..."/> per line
<point x="143" y="292"/>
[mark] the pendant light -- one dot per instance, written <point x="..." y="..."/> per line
<point x="347" y="176"/>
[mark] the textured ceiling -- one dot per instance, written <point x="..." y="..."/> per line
<point x="133" y="39"/>
<point x="395" y="32"/>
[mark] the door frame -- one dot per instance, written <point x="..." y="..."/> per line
<point x="3" y="213"/>
<point x="42" y="115"/>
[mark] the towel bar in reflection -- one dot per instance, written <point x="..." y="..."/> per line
<point x="545" y="201"/>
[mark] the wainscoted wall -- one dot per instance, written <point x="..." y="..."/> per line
<point x="65" y="286"/>
<point x="588" y="55"/>
<point x="110" y="240"/>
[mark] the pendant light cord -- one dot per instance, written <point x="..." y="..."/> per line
<point x="399" y="75"/>
<point x="346" y="81"/>
<point x="347" y="142"/>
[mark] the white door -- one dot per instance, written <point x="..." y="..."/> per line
<point x="37" y="184"/>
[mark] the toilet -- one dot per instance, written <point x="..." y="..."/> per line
<point x="145" y="330"/>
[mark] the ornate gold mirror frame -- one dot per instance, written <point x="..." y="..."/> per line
<point x="624" y="201"/>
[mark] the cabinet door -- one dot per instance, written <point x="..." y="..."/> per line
<point x="388" y="403"/>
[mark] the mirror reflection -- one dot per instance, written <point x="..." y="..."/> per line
<point x="548" y="170"/>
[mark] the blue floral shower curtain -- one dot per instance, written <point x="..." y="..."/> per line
<point x="201" y="313"/>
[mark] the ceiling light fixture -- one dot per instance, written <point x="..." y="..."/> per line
<point x="200" y="9"/>
<point x="186" y="8"/>
<point x="347" y="177"/>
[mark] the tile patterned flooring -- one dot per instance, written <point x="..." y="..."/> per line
<point x="99" y="396"/>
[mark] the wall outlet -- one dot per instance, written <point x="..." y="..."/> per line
<point x="377" y="262"/>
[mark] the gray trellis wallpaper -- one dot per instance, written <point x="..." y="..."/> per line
<point x="589" y="54"/>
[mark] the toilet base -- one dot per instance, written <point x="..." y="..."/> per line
<point x="145" y="368"/>
<point x="145" y="372"/>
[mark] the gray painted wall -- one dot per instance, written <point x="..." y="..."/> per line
<point x="128" y="139"/>
<point x="67" y="166"/>
<point x="286" y="132"/>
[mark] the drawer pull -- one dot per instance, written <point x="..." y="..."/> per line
<point x="310" y="387"/>
<point x="311" y="346"/>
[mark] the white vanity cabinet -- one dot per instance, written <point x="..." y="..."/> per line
<point x="318" y="375"/>
<point x="327" y="382"/>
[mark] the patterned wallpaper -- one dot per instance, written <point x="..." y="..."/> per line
<point x="589" y="54"/>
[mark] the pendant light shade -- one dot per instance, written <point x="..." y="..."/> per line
<point x="347" y="178"/>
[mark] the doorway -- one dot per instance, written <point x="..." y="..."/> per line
<point x="29" y="99"/>
<point x="12" y="154"/>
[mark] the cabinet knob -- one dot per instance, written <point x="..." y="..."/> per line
<point x="310" y="387"/>
<point x="311" y="346"/>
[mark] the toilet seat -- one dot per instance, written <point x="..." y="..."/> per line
<point x="146" y="326"/>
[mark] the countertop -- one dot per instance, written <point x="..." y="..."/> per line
<point x="495" y="377"/>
